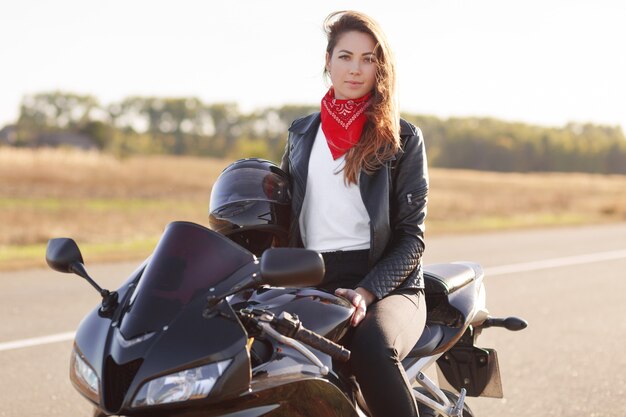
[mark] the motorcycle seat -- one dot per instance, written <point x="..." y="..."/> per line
<point x="449" y="277"/>
<point x="428" y="341"/>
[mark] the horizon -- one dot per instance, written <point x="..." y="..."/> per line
<point x="534" y="63"/>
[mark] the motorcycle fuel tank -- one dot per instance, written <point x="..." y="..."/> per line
<point x="319" y="311"/>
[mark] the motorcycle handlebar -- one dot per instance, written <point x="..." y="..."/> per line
<point x="322" y="344"/>
<point x="290" y="325"/>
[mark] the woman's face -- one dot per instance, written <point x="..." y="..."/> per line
<point x="352" y="65"/>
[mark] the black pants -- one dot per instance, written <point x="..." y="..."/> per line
<point x="386" y="335"/>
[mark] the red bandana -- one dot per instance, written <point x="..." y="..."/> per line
<point x="343" y="121"/>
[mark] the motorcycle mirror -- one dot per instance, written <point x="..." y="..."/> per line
<point x="62" y="253"/>
<point x="291" y="267"/>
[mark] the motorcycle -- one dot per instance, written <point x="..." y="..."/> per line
<point x="205" y="328"/>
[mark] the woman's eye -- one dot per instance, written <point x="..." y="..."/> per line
<point x="369" y="59"/>
<point x="344" y="57"/>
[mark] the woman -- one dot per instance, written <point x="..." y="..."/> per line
<point x="360" y="183"/>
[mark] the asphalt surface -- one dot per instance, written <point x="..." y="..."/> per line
<point x="569" y="284"/>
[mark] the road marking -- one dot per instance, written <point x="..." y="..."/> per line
<point x="489" y="272"/>
<point x="37" y="341"/>
<point x="554" y="263"/>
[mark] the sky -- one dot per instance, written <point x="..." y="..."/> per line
<point x="546" y="62"/>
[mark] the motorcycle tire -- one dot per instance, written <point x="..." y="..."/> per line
<point x="429" y="412"/>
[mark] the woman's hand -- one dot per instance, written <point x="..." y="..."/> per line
<point x="360" y="299"/>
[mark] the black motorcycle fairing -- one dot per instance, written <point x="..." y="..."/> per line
<point x="188" y="260"/>
<point x="123" y="370"/>
<point x="304" y="397"/>
<point x="216" y="339"/>
<point x="92" y="332"/>
<point x="308" y="397"/>
<point x="170" y="340"/>
<point x="189" y="341"/>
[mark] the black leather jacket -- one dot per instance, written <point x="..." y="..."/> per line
<point x="395" y="197"/>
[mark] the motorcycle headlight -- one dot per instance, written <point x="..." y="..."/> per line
<point x="189" y="384"/>
<point x="84" y="377"/>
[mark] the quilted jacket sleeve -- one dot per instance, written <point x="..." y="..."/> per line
<point x="400" y="263"/>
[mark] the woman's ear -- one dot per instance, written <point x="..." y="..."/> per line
<point x="327" y="62"/>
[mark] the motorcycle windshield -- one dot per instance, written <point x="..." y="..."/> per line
<point x="188" y="260"/>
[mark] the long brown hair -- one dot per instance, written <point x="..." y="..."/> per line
<point x="380" y="139"/>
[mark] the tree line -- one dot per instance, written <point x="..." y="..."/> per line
<point x="187" y="126"/>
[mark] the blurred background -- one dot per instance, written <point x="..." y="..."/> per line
<point x="116" y="117"/>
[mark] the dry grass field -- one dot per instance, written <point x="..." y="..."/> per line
<point x="116" y="209"/>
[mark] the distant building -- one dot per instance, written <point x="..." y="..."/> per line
<point x="56" y="139"/>
<point x="8" y="136"/>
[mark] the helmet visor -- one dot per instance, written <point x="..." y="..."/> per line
<point x="248" y="184"/>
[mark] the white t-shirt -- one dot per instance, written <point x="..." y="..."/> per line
<point x="333" y="215"/>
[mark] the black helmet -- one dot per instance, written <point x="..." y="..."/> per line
<point x="251" y="204"/>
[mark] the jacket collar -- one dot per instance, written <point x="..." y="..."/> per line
<point x="407" y="129"/>
<point x="304" y="124"/>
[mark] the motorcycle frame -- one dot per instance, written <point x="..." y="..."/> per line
<point x="415" y="374"/>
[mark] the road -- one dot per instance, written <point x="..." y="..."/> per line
<point x="569" y="283"/>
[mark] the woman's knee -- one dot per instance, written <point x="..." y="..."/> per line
<point x="369" y="347"/>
